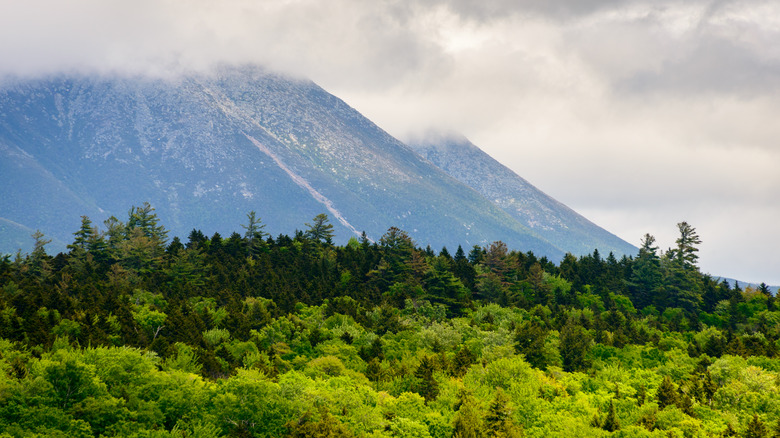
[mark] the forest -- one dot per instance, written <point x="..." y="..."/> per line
<point x="136" y="333"/>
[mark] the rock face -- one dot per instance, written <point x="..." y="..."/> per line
<point x="206" y="149"/>
<point x="548" y="218"/>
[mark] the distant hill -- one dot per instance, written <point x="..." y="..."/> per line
<point x="743" y="284"/>
<point x="548" y="218"/>
<point x="206" y="149"/>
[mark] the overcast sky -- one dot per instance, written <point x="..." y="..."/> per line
<point x="636" y="114"/>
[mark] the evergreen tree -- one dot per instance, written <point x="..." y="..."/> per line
<point x="460" y="254"/>
<point x="685" y="403"/>
<point x="374" y="370"/>
<point x="38" y="259"/>
<point x="708" y="387"/>
<point x="685" y="254"/>
<point x="320" y="230"/>
<point x="196" y="240"/>
<point x="463" y="360"/>
<point x="645" y="273"/>
<point x="667" y="394"/>
<point x="83" y="236"/>
<point x="476" y="254"/>
<point x="144" y="219"/>
<point x="254" y="234"/>
<point x="469" y="421"/>
<point x="529" y="341"/>
<point x="427" y="386"/>
<point x="611" y="422"/>
<point x="575" y="343"/>
<point x="755" y="428"/>
<point x="682" y="281"/>
<point x="498" y="420"/>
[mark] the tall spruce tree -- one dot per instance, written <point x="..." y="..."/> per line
<point x="687" y="247"/>
<point x="683" y="280"/>
<point x="646" y="276"/>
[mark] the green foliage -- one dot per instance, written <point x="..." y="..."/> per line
<point x="185" y="360"/>
<point x="297" y="336"/>
<point x="326" y="427"/>
<point x="667" y="393"/>
<point x="498" y="420"/>
<point x="755" y="428"/>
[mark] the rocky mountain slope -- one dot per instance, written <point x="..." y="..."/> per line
<point x="206" y="149"/>
<point x="555" y="222"/>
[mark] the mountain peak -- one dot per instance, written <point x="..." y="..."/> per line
<point x="205" y="148"/>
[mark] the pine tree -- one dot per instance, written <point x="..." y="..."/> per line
<point x="648" y="420"/>
<point x="460" y="254"/>
<point x="374" y="370"/>
<point x="468" y="419"/>
<point x="84" y="235"/>
<point x="667" y="394"/>
<point x="144" y="219"/>
<point x="476" y="254"/>
<point x="755" y="428"/>
<point x="498" y="421"/>
<point x="685" y="254"/>
<point x="426" y="386"/>
<point x="254" y="234"/>
<point x="462" y="361"/>
<point x="529" y="341"/>
<point x="38" y="259"/>
<point x="686" y="404"/>
<point x="708" y="387"/>
<point x="611" y="422"/>
<point x="320" y="230"/>
<point x="575" y="343"/>
<point x="645" y="273"/>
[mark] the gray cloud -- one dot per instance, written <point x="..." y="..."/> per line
<point x="497" y="9"/>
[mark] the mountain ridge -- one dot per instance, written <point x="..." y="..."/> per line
<point x="548" y="217"/>
<point x="190" y="148"/>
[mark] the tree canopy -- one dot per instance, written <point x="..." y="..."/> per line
<point x="132" y="334"/>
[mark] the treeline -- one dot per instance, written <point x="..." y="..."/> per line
<point x="133" y="332"/>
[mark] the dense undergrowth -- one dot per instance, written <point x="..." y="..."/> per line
<point x="129" y="334"/>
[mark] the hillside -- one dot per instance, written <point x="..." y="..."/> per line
<point x="550" y="219"/>
<point x="206" y="149"/>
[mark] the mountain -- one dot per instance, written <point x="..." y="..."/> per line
<point x="205" y="149"/>
<point x="548" y="218"/>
